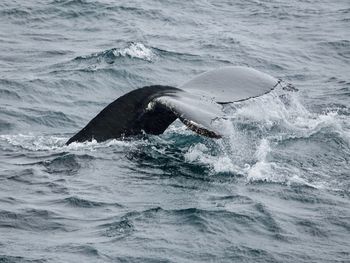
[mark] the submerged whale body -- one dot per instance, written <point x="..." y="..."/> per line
<point x="197" y="103"/>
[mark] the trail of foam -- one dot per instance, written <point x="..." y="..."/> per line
<point x="56" y="143"/>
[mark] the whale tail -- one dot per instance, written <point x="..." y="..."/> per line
<point x="197" y="103"/>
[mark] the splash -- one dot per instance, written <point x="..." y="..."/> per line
<point x="255" y="134"/>
<point x="262" y="169"/>
<point x="136" y="50"/>
<point x="219" y="164"/>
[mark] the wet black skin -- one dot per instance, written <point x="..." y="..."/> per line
<point x="129" y="115"/>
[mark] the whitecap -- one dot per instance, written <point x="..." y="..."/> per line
<point x="136" y="50"/>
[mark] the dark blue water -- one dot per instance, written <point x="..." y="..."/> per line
<point x="275" y="190"/>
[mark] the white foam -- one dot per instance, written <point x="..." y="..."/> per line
<point x="34" y="143"/>
<point x="219" y="164"/>
<point x="136" y="50"/>
<point x="289" y="115"/>
<point x="271" y="110"/>
<point x="54" y="143"/>
<point x="265" y="170"/>
<point x="262" y="170"/>
<point x="253" y="131"/>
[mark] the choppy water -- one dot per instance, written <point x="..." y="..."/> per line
<point x="276" y="189"/>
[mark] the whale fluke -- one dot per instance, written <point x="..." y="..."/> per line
<point x="197" y="103"/>
<point x="231" y="84"/>
<point x="129" y="115"/>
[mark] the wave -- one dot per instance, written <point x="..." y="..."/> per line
<point x="340" y="47"/>
<point x="8" y="258"/>
<point x="25" y="116"/>
<point x="259" y="217"/>
<point x="32" y="219"/>
<point x="75" y="201"/>
<point x="71" y="2"/>
<point x="118" y="229"/>
<point x="8" y="94"/>
<point x="133" y="50"/>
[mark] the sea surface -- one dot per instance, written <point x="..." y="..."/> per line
<point x="275" y="189"/>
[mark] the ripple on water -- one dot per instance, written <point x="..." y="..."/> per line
<point x="118" y="229"/>
<point x="275" y="189"/>
<point x="14" y="259"/>
<point x="75" y="201"/>
<point x="68" y="164"/>
<point x="341" y="47"/>
<point x="32" y="220"/>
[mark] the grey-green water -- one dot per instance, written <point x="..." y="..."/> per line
<point x="275" y="190"/>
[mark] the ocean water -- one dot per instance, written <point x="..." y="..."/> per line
<point x="274" y="189"/>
